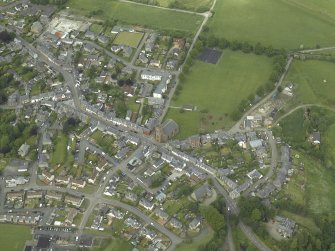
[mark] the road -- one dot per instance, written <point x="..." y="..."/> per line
<point x="13" y="4"/>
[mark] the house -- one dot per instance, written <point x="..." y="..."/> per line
<point x="175" y="223"/>
<point x="11" y="196"/>
<point x="146" y="204"/>
<point x="194" y="224"/>
<point x="201" y="193"/>
<point x="48" y="176"/>
<point x="78" y="183"/>
<point x="103" y="39"/>
<point x="161" y="214"/>
<point x="131" y="222"/>
<point x="128" y="116"/>
<point x="52" y="195"/>
<point x="161" y="196"/>
<point x="36" y="27"/>
<point x="254" y="174"/>
<point x="166" y="131"/>
<point x="75" y="201"/>
<point x="315" y="138"/>
<point x="195" y="141"/>
<point x="150" y="235"/>
<point x="93" y="178"/>
<point x="90" y="35"/>
<point x="115" y="213"/>
<point x="150" y="43"/>
<point x="131" y="196"/>
<point x="23" y="150"/>
<point x="151" y="75"/>
<point x="285" y="226"/>
<point x="64" y="180"/>
<point x="71" y="215"/>
<point x="178" y="43"/>
<point x="256" y="143"/>
<point x="155" y="63"/>
<point x="34" y="195"/>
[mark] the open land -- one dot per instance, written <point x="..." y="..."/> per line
<point x="281" y="24"/>
<point x="218" y="89"/>
<point x="312" y="187"/>
<point x="314" y="82"/>
<point x="13" y="237"/>
<point x="194" y="245"/>
<point x="144" y="15"/>
<point x="131" y="39"/>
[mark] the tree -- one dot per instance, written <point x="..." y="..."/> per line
<point x="256" y="215"/>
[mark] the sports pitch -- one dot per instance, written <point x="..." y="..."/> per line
<point x="131" y="39"/>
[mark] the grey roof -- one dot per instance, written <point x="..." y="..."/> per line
<point x="169" y="126"/>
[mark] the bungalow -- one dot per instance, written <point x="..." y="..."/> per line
<point x="315" y="138"/>
<point x="254" y="174"/>
<point x="75" y="201"/>
<point x="150" y="235"/>
<point x="103" y="39"/>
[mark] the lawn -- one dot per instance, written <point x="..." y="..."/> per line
<point x="277" y="23"/>
<point x="217" y="90"/>
<point x="137" y="15"/>
<point x="195" y="5"/>
<point x="60" y="150"/>
<point x="314" y="82"/>
<point x="13" y="237"/>
<point x="132" y="39"/>
<point x="194" y="245"/>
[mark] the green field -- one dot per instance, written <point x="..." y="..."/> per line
<point x="13" y="237"/>
<point x="195" y="5"/>
<point x="144" y="16"/>
<point x="60" y="151"/>
<point x="314" y="82"/>
<point x="115" y="244"/>
<point x="132" y="39"/>
<point x="277" y="23"/>
<point x="217" y="90"/>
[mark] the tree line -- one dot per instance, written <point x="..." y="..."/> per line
<point x="45" y="2"/>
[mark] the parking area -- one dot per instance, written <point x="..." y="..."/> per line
<point x="210" y="56"/>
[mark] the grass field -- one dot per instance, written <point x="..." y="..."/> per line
<point x="60" y="151"/>
<point x="132" y="39"/>
<point x="145" y="16"/>
<point x="219" y="90"/>
<point x="279" y="23"/>
<point x="13" y="237"/>
<point x="115" y="244"/>
<point x="308" y="79"/>
<point x="194" y="245"/>
<point x="195" y="5"/>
